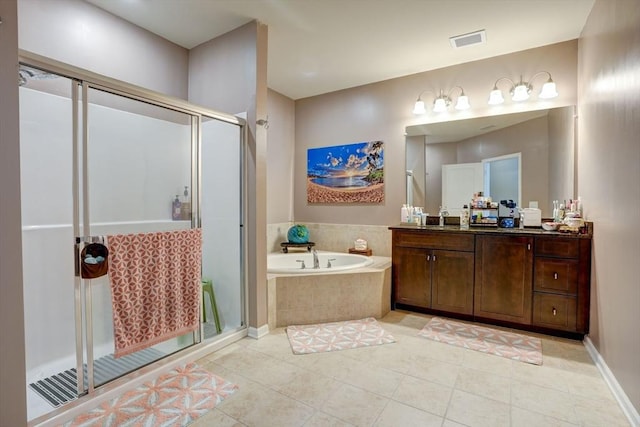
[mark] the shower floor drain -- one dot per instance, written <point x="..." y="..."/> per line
<point x="60" y="388"/>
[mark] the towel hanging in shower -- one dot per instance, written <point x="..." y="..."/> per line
<point x="155" y="287"/>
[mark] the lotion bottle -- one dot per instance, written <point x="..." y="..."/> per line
<point x="176" y="209"/>
<point x="404" y="213"/>
<point x="464" y="218"/>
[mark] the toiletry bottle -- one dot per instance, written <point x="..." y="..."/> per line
<point x="464" y="218"/>
<point x="176" y="209"/>
<point x="579" y="207"/>
<point x="185" y="207"/>
<point x="404" y="213"/>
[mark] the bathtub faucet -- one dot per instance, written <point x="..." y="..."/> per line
<point x="316" y="263"/>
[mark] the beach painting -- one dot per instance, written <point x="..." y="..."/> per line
<point x="352" y="173"/>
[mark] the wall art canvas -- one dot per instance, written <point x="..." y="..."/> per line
<point x="352" y="173"/>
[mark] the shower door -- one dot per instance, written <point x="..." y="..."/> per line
<point x="136" y="159"/>
<point x="98" y="159"/>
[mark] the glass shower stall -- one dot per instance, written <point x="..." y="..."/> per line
<point x="99" y="158"/>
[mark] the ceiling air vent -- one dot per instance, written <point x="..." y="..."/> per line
<point x="468" y="39"/>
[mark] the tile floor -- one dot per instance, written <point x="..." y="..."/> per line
<point x="412" y="382"/>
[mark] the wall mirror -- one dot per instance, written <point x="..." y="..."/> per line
<point x="544" y="140"/>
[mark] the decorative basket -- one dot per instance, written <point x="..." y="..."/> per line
<point x="99" y="266"/>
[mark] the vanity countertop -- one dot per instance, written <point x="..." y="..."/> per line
<point x="495" y="230"/>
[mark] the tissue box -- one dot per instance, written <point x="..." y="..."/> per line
<point x="532" y="217"/>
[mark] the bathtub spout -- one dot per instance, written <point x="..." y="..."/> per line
<point x="316" y="262"/>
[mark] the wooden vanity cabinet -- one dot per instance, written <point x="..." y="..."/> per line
<point x="528" y="279"/>
<point x="433" y="271"/>
<point x="561" y="283"/>
<point x="504" y="267"/>
<point x="412" y="277"/>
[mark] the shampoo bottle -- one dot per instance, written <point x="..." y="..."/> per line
<point x="176" y="209"/>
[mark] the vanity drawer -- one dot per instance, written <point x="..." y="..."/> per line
<point x="554" y="311"/>
<point x="436" y="240"/>
<point x="556" y="275"/>
<point x="557" y="247"/>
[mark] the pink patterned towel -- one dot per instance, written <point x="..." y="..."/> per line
<point x="155" y="287"/>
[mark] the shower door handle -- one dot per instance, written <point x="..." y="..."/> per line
<point x="76" y="257"/>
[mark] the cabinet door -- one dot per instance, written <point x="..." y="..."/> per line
<point x="412" y="277"/>
<point x="452" y="281"/>
<point x="504" y="269"/>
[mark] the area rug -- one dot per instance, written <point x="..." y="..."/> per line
<point x="323" y="337"/>
<point x="487" y="340"/>
<point x="174" y="399"/>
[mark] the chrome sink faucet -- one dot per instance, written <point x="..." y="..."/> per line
<point x="316" y="262"/>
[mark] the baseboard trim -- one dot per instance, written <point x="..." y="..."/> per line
<point x="623" y="400"/>
<point x="258" y="332"/>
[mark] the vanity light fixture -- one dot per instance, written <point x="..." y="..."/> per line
<point x="520" y="91"/>
<point x="441" y="102"/>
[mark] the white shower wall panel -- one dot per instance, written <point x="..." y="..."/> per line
<point x="48" y="299"/>
<point x="45" y="158"/>
<point x="137" y="165"/>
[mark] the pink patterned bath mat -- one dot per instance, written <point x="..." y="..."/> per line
<point x="334" y="336"/>
<point x="487" y="340"/>
<point x="174" y="399"/>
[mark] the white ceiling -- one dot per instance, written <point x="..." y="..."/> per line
<point x="319" y="46"/>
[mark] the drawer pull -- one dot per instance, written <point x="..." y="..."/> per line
<point x="554" y="311"/>
<point x="555" y="276"/>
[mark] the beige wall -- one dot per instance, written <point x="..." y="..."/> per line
<point x="280" y="152"/>
<point x="608" y="181"/>
<point x="213" y="82"/>
<point x="381" y="111"/>
<point x="13" y="409"/>
<point x="80" y="34"/>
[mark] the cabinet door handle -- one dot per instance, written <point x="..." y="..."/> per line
<point x="528" y="246"/>
<point x="428" y="257"/>
<point x="554" y="311"/>
<point x="434" y="257"/>
<point x="555" y="276"/>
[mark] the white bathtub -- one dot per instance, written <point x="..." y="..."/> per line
<point x="291" y="263"/>
<point x="299" y="296"/>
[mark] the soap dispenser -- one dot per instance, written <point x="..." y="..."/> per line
<point x="185" y="206"/>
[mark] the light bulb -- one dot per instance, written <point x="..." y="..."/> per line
<point x="521" y="92"/>
<point x="495" y="97"/>
<point x="439" y="105"/>
<point x="419" y="107"/>
<point x="548" y="90"/>
<point x="463" y="103"/>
